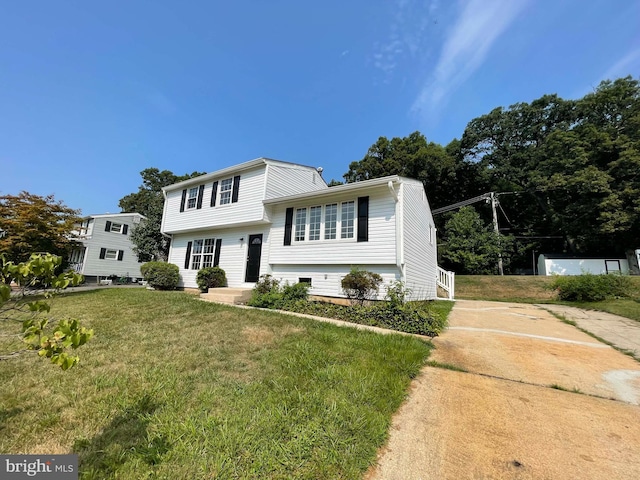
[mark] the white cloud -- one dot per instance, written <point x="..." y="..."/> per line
<point x="466" y="46"/>
<point x="629" y="64"/>
<point x="407" y="33"/>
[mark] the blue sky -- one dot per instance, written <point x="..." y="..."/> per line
<point x="91" y="93"/>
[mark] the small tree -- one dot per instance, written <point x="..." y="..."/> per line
<point x="37" y="282"/>
<point x="30" y="223"/>
<point x="360" y="285"/>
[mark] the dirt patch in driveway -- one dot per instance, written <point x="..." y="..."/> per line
<point x="464" y="426"/>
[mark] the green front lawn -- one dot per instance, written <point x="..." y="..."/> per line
<point x="171" y="387"/>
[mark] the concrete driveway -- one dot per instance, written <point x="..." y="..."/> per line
<point x="539" y="399"/>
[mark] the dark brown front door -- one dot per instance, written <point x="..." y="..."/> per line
<point x="253" y="258"/>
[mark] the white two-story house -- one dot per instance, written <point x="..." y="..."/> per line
<point x="272" y="217"/>
<point x="106" y="248"/>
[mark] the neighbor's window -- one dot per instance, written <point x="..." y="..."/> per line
<point x="116" y="227"/>
<point x="330" y="221"/>
<point x="111" y="254"/>
<point x="301" y="222"/>
<point x="202" y="253"/>
<point x="347" y="219"/>
<point x="225" y="191"/>
<point x="193" y="197"/>
<point x="315" y="218"/>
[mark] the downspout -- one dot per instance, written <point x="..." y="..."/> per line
<point x="166" y="235"/>
<point x="399" y="227"/>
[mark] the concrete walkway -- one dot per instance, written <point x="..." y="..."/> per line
<point x="621" y="332"/>
<point x="538" y="399"/>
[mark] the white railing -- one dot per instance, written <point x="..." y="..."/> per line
<point x="447" y="281"/>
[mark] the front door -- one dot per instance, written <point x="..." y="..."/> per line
<point x="253" y="258"/>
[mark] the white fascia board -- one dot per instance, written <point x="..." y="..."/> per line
<point x="102" y="215"/>
<point x="346" y="188"/>
<point x="233" y="169"/>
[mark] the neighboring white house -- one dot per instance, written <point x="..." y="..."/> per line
<point x="560" y="264"/>
<point x="272" y="217"/>
<point x="106" y="246"/>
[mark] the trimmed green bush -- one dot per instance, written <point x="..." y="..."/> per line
<point x="360" y="285"/>
<point x="211" y="277"/>
<point x="591" y="288"/>
<point x="268" y="293"/>
<point x="161" y="275"/>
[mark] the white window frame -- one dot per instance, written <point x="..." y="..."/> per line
<point x="192" y="198"/>
<point x="202" y="253"/>
<point x="300" y="225"/>
<point x="315" y="223"/>
<point x="347" y="224"/>
<point x="110" y="254"/>
<point x="226" y="189"/>
<point x="116" y="227"/>
<point x="330" y="222"/>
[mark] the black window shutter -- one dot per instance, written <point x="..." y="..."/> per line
<point x="236" y="188"/>
<point x="288" y="223"/>
<point x="363" y="219"/>
<point x="184" y="199"/>
<point x="120" y="254"/>
<point x="103" y="252"/>
<point x="187" y="257"/>
<point x="107" y="227"/>
<point x="214" y="194"/>
<point x="216" y="255"/>
<point x="200" y="195"/>
<point x="125" y="229"/>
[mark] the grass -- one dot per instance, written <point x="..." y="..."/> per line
<point x="171" y="387"/>
<point x="533" y="289"/>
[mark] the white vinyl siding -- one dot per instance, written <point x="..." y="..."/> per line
<point x="419" y="242"/>
<point x="379" y="249"/>
<point x="248" y="209"/>
<point x="233" y="254"/>
<point x="291" y="179"/>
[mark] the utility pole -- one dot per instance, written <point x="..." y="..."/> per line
<point x="495" y="228"/>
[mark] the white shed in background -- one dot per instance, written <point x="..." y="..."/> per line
<point x="550" y="264"/>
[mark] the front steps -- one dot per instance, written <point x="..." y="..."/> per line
<point x="230" y="296"/>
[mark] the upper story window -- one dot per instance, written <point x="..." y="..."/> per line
<point x="301" y="223"/>
<point x="192" y="198"/>
<point x="114" y="227"/>
<point x="330" y="221"/>
<point x="315" y="221"/>
<point x="347" y="220"/>
<point x="325" y="221"/>
<point x="225" y="191"/>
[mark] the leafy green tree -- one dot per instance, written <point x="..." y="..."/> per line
<point x="445" y="174"/>
<point x="37" y="281"/>
<point x="473" y="247"/>
<point x="574" y="164"/>
<point x="149" y="243"/>
<point x="31" y="223"/>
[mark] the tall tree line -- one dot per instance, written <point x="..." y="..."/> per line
<point x="571" y="169"/>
